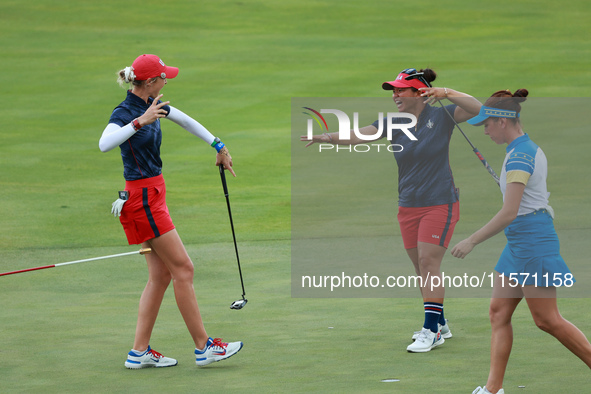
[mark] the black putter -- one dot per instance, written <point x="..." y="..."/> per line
<point x="239" y="304"/>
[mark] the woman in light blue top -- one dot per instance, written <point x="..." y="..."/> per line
<point x="530" y="266"/>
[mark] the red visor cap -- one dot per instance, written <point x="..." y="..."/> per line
<point x="401" y="82"/>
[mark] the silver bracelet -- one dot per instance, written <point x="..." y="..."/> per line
<point x="445" y="90"/>
<point x="329" y="137"/>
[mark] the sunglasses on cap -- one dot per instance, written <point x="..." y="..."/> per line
<point x="413" y="74"/>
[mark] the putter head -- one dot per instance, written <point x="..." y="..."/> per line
<point x="239" y="304"/>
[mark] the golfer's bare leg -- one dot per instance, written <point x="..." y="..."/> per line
<point x="171" y="251"/>
<point x="414" y="257"/>
<point x="502" y="306"/>
<point x="151" y="299"/>
<point x="429" y="261"/>
<point x="544" y="309"/>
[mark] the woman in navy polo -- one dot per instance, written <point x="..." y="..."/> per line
<point x="134" y="127"/>
<point x="428" y="201"/>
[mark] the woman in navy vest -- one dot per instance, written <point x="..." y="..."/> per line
<point x="134" y="127"/>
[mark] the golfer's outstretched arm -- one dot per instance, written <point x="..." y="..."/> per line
<point x="467" y="106"/>
<point x="192" y="126"/>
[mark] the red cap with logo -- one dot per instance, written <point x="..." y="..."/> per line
<point x="151" y="66"/>
<point x="408" y="78"/>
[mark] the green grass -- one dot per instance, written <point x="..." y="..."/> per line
<point x="68" y="329"/>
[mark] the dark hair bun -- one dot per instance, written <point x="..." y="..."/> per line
<point x="430" y="75"/>
<point x="520" y="95"/>
<point x="504" y="99"/>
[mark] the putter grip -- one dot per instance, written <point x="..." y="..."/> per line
<point x="223" y="176"/>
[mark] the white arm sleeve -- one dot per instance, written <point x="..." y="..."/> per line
<point x="114" y="135"/>
<point x="190" y="124"/>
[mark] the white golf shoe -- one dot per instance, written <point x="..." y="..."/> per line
<point x="445" y="331"/>
<point x="148" y="359"/>
<point x="426" y="340"/>
<point x="484" y="390"/>
<point x="216" y="350"/>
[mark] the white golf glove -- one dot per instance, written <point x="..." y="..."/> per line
<point x="117" y="205"/>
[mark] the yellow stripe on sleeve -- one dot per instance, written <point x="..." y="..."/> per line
<point x="518" y="177"/>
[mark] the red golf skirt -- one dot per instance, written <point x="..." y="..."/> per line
<point x="145" y="214"/>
